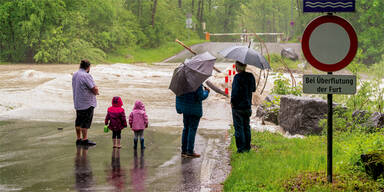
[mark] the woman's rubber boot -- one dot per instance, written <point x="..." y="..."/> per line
<point x="135" y="143"/>
<point x="142" y="143"/>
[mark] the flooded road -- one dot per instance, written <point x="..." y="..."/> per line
<point x="44" y="93"/>
<point x="37" y="138"/>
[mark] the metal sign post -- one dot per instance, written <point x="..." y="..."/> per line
<point x="329" y="84"/>
<point x="329" y="44"/>
<point x="330" y="136"/>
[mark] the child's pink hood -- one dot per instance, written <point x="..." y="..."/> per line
<point x="138" y="119"/>
<point x="117" y="103"/>
<point x="116" y="115"/>
<point x="139" y="106"/>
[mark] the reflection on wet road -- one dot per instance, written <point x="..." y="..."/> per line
<point x="191" y="174"/>
<point x="37" y="138"/>
<point x="36" y="156"/>
<point x="83" y="170"/>
<point x="138" y="172"/>
<point x="116" y="173"/>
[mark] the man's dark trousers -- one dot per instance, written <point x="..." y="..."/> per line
<point x="242" y="129"/>
<point x="191" y="122"/>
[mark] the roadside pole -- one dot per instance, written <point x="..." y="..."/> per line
<point x="329" y="44"/>
<point x="330" y="136"/>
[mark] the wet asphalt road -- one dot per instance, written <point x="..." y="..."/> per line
<point x="37" y="137"/>
<point x="36" y="156"/>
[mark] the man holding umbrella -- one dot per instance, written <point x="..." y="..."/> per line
<point x="241" y="100"/>
<point x="242" y="88"/>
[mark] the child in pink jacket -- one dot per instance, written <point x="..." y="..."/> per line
<point x="116" y="120"/>
<point x="138" y="121"/>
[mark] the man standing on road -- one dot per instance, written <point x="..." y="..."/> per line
<point x="241" y="100"/>
<point x="84" y="99"/>
<point x="190" y="105"/>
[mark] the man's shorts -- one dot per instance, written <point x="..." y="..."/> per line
<point x="84" y="118"/>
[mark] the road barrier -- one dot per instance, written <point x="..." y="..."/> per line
<point x="226" y="85"/>
<point x="278" y="36"/>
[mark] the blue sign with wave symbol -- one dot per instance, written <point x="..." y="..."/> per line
<point x="329" y="6"/>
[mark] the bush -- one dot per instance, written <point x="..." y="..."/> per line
<point x="282" y="86"/>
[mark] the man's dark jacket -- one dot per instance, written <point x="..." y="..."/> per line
<point x="242" y="88"/>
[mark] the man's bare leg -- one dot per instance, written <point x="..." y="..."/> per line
<point x="78" y="132"/>
<point x="84" y="131"/>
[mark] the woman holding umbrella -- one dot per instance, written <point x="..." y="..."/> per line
<point x="187" y="83"/>
<point x="190" y="105"/>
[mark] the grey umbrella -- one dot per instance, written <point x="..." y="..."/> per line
<point x="188" y="76"/>
<point x="246" y="55"/>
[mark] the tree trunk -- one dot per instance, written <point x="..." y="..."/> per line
<point x="154" y="12"/>
<point x="228" y="18"/>
<point x="209" y="5"/>
<point x="202" y="11"/>
<point x="180" y="4"/>
<point x="193" y="6"/>
<point x="263" y="28"/>
<point x="273" y="21"/>
<point x="279" y="19"/>
<point x="298" y="7"/>
<point x="12" y="33"/>
<point x="198" y="9"/>
<point x="139" y="9"/>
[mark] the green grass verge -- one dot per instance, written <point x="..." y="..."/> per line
<point x="141" y="55"/>
<point x="276" y="163"/>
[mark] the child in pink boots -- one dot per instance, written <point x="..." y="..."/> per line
<point x="117" y="120"/>
<point x="138" y="121"/>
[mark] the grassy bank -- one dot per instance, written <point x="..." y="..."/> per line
<point x="141" y="55"/>
<point x="277" y="163"/>
<point x="278" y="63"/>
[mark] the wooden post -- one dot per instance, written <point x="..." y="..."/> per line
<point x="207" y="36"/>
<point x="190" y="50"/>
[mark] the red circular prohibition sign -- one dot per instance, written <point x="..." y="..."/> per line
<point x="353" y="43"/>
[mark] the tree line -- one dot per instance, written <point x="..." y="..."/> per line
<point x="64" y="31"/>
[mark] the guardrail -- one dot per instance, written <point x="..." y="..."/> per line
<point x="245" y="35"/>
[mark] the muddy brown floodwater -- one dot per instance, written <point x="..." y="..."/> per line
<point x="37" y="138"/>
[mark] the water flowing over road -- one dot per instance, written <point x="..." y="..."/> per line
<point x="37" y="135"/>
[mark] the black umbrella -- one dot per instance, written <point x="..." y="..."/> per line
<point x="188" y="76"/>
<point x="246" y="55"/>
